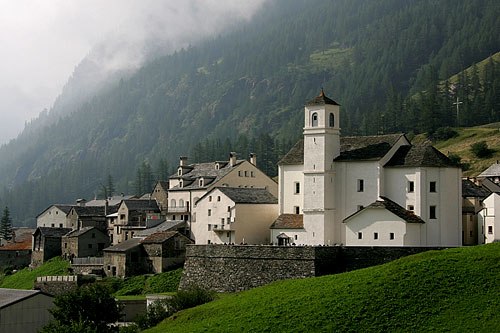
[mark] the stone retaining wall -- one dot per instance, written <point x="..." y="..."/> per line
<point x="230" y="268"/>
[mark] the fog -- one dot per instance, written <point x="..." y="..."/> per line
<point x="42" y="42"/>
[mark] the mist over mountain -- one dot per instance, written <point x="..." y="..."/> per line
<point x="243" y="89"/>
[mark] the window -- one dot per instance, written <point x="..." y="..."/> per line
<point x="173" y="217"/>
<point x="252" y="174"/>
<point x="200" y="182"/>
<point x="296" y="189"/>
<point x="391" y="236"/>
<point x="490" y="229"/>
<point x="60" y="225"/>
<point x="432" y="212"/>
<point x="360" y="235"/>
<point x="432" y="187"/>
<point x="332" y="120"/>
<point x="222" y="221"/>
<point x="314" y="120"/>
<point x="181" y="203"/>
<point x="172" y="203"/>
<point x="361" y="185"/>
<point x="239" y="173"/>
<point x="52" y="225"/>
<point x="411" y="208"/>
<point x="295" y="237"/>
<point x="375" y="235"/>
<point x="93" y="235"/>
<point x="209" y="212"/>
<point x="246" y="173"/>
<point x="210" y="199"/>
<point x="360" y="207"/>
<point x="209" y="241"/>
<point x="218" y="198"/>
<point x="179" y="172"/>
<point x="65" y="245"/>
<point x="296" y="209"/>
<point x="411" y="186"/>
<point x="209" y="227"/>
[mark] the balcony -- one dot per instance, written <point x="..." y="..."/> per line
<point x="183" y="209"/>
<point x="222" y="227"/>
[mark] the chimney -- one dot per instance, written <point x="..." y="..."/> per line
<point x="106" y="206"/>
<point x="81" y="202"/>
<point x="232" y="158"/>
<point x="183" y="161"/>
<point x="253" y="159"/>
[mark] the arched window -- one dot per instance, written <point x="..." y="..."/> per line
<point x="314" y="120"/>
<point x="332" y="120"/>
<point x="181" y="203"/>
<point x="172" y="203"/>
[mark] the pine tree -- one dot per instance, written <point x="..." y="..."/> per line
<point x="6" y="225"/>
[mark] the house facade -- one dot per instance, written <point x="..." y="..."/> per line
<point x="234" y="215"/>
<point x="489" y="220"/>
<point x="165" y="250"/>
<point x="54" y="216"/>
<point x="85" y="242"/>
<point x="46" y="244"/>
<point x="328" y="178"/>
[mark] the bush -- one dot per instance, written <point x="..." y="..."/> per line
<point x="443" y="133"/>
<point x="185" y="299"/>
<point x="480" y="149"/>
<point x="157" y="311"/>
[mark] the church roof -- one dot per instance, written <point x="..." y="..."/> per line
<point x="321" y="99"/>
<point x="288" y="221"/>
<point x="386" y="203"/>
<point x="371" y="147"/>
<point x="421" y="155"/>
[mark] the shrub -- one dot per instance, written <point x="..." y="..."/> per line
<point x="156" y="312"/>
<point x="189" y="298"/>
<point x="480" y="149"/>
<point x="443" y="133"/>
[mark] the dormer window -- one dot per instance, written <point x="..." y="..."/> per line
<point x="314" y="120"/>
<point x="217" y="166"/>
<point x="179" y="172"/>
<point x="181" y="183"/>
<point x="332" y="120"/>
<point x="200" y="182"/>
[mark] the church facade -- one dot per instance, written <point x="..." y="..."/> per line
<point x="366" y="190"/>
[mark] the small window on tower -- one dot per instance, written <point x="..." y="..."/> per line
<point x="296" y="209"/>
<point x="314" y="120"/>
<point x="361" y="185"/>
<point x="297" y="188"/>
<point x="411" y="186"/>
<point x="332" y="120"/>
<point x="432" y="187"/>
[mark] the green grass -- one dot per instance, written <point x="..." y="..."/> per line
<point x="146" y="284"/>
<point x="453" y="290"/>
<point x="25" y="278"/>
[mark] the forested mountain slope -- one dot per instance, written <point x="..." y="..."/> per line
<point x="245" y="90"/>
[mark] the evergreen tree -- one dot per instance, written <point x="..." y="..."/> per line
<point x="6" y="225"/>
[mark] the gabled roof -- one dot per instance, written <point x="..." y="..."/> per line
<point x="351" y="148"/>
<point x="79" y="232"/>
<point x="469" y="189"/>
<point x="23" y="241"/>
<point x="420" y="155"/>
<point x="492" y="171"/>
<point x="391" y="206"/>
<point x="90" y="210"/>
<point x="321" y="99"/>
<point x="52" y="232"/>
<point x="288" y="221"/>
<point x="142" y="204"/>
<point x="203" y="170"/>
<point x="159" y="237"/>
<point x="11" y="296"/>
<point x="164" y="226"/>
<point x="124" y="246"/>
<point x="112" y="201"/>
<point x="490" y="186"/>
<point x="63" y="207"/>
<point x="242" y="195"/>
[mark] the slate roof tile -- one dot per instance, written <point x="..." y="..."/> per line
<point x="420" y="155"/>
<point x="288" y="221"/>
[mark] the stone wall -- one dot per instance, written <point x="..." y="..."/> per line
<point x="56" y="285"/>
<point x="230" y="268"/>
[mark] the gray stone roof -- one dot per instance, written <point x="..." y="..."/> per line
<point x="11" y="296"/>
<point x="124" y="246"/>
<point x="351" y="148"/>
<point x="79" y="232"/>
<point x="321" y="99"/>
<point x="52" y="232"/>
<point x="90" y="210"/>
<point x="469" y="189"/>
<point x="142" y="205"/>
<point x="490" y="186"/>
<point x="112" y="201"/>
<point x="421" y="155"/>
<point x="386" y="203"/>
<point x="492" y="171"/>
<point x="243" y="195"/>
<point x="159" y="237"/>
<point x="164" y="226"/>
<point x="288" y="221"/>
<point x="203" y="170"/>
<point x="63" y="207"/>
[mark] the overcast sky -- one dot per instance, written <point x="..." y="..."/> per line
<point x="43" y="40"/>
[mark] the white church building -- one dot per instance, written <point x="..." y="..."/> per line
<point x="365" y="190"/>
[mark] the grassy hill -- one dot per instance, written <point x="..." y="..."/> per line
<point x="25" y="278"/>
<point x="452" y="290"/>
<point x="460" y="145"/>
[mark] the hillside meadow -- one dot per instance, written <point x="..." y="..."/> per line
<point x="451" y="290"/>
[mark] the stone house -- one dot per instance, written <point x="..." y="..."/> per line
<point x="328" y="177"/>
<point x="85" y="242"/>
<point x="192" y="181"/>
<point x="89" y="216"/>
<point x="288" y="229"/>
<point x="234" y="215"/>
<point x="132" y="216"/>
<point x="160" y="194"/>
<point x="17" y="252"/>
<point x="24" y="311"/>
<point x="46" y="244"/>
<point x="54" y="216"/>
<point x="165" y="250"/>
<point x="125" y="259"/>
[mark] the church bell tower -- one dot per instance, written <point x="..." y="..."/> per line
<point x="321" y="147"/>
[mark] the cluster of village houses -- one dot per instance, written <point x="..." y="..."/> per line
<point x="331" y="190"/>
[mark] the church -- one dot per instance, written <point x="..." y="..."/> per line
<point x="364" y="190"/>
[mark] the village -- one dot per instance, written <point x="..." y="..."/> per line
<point x="331" y="191"/>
